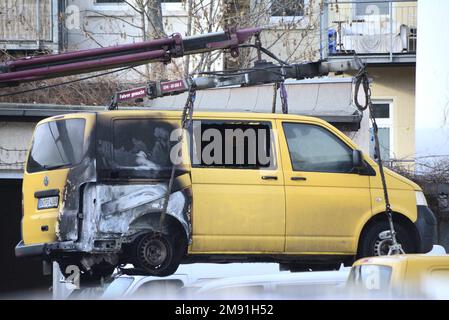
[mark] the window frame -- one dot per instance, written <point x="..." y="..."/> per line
<point x="324" y="128"/>
<point x="365" y="2"/>
<point x="65" y="166"/>
<point x="271" y="124"/>
<point x="290" y="19"/>
<point x="124" y="172"/>
<point x="110" y="3"/>
<point x="385" y="123"/>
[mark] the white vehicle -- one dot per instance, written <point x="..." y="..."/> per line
<point x="148" y="287"/>
<point x="283" y="285"/>
<point x="142" y="287"/>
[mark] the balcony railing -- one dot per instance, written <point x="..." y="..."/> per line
<point x="379" y="28"/>
<point x="29" y="25"/>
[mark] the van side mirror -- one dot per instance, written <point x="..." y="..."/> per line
<point x="357" y="160"/>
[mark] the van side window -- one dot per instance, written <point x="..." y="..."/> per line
<point x="315" y="149"/>
<point x="141" y="147"/>
<point x="232" y="144"/>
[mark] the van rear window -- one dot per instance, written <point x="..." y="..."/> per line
<point x="57" y="144"/>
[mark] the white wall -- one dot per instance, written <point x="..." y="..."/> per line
<point x="432" y="79"/>
<point x="15" y="138"/>
<point x="93" y="25"/>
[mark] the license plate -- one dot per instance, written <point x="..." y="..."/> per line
<point x="47" y="203"/>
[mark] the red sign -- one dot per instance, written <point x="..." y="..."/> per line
<point x="171" y="86"/>
<point x="132" y="94"/>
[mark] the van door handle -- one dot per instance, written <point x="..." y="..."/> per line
<point x="269" y="177"/>
<point x="298" y="178"/>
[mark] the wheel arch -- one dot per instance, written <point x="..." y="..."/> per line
<point x="398" y="218"/>
<point x="151" y="221"/>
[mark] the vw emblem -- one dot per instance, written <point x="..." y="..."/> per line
<point x="46" y="181"/>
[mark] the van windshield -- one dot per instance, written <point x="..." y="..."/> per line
<point x="57" y="144"/>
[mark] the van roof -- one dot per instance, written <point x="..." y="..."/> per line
<point x="198" y="114"/>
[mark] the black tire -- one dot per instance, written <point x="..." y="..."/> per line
<point x="159" y="254"/>
<point x="372" y="245"/>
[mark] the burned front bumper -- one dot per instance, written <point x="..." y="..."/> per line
<point x="426" y="224"/>
<point x="43" y="249"/>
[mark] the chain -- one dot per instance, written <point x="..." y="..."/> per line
<point x="186" y="124"/>
<point x="362" y="79"/>
<point x="282" y="93"/>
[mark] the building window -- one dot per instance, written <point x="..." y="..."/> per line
<point x="373" y="7"/>
<point x="383" y="114"/>
<point x="287" y="8"/>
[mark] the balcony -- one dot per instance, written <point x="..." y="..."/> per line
<point x="30" y="25"/>
<point x="379" y="32"/>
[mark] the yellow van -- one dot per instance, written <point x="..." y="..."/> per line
<point x="247" y="187"/>
<point x="401" y="276"/>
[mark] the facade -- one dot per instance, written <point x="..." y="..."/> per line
<point x="383" y="34"/>
<point x="99" y="23"/>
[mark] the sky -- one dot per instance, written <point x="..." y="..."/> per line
<point x="432" y="78"/>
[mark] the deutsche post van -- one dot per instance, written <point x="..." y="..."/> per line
<point x="247" y="187"/>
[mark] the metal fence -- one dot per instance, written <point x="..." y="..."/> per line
<point x="370" y="27"/>
<point x="12" y="159"/>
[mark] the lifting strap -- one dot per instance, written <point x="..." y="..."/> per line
<point x="186" y="124"/>
<point x="362" y="79"/>
<point x="280" y="86"/>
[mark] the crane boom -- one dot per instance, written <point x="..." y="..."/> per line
<point x="263" y="72"/>
<point x="49" y="66"/>
<point x="44" y="67"/>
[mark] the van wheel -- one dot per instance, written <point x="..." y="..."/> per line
<point x="158" y="254"/>
<point x="372" y="243"/>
